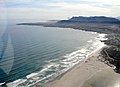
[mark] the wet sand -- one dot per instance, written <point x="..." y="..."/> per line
<point x="91" y="71"/>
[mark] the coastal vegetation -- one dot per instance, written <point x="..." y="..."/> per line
<point x="112" y="52"/>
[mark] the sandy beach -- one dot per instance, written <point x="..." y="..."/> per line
<point x="80" y="75"/>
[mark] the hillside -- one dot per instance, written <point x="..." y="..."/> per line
<point x="95" y="19"/>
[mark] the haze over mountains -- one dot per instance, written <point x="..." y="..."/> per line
<point x="100" y="24"/>
<point x="118" y="17"/>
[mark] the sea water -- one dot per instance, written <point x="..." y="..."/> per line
<point x="32" y="54"/>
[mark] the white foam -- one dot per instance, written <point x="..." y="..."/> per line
<point x="31" y="75"/>
<point x="71" y="54"/>
<point x="90" y="41"/>
<point x="97" y="45"/>
<point x="16" y="83"/>
<point x="83" y="50"/>
<point x="2" y="83"/>
<point x="40" y="80"/>
<point x="46" y="67"/>
<point x="102" y="37"/>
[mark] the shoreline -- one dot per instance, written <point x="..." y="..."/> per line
<point x="99" y="48"/>
<point x="103" y="28"/>
<point x="60" y="75"/>
<point x="78" y="74"/>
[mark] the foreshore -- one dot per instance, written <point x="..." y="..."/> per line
<point x="80" y="73"/>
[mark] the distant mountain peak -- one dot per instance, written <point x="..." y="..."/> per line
<point x="91" y="19"/>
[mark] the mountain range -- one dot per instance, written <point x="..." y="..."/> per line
<point x="94" y="19"/>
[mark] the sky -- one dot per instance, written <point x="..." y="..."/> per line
<point x="57" y="9"/>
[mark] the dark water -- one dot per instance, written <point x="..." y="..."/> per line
<point x="30" y="54"/>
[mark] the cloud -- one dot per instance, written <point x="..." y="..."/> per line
<point x="110" y="2"/>
<point x="15" y="1"/>
<point x="34" y="13"/>
<point x="81" y="8"/>
<point x="60" y="9"/>
<point x="45" y="13"/>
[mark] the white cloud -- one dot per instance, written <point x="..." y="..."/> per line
<point x="40" y="13"/>
<point x="110" y="2"/>
<point x="15" y="1"/>
<point x="81" y="9"/>
<point x="62" y="10"/>
<point x="115" y="10"/>
<point x="76" y="6"/>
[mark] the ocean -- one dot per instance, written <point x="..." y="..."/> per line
<point x="32" y="54"/>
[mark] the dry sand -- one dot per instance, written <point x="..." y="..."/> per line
<point x="81" y="73"/>
<point x="104" y="78"/>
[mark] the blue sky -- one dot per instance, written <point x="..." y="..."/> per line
<point x="57" y="9"/>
